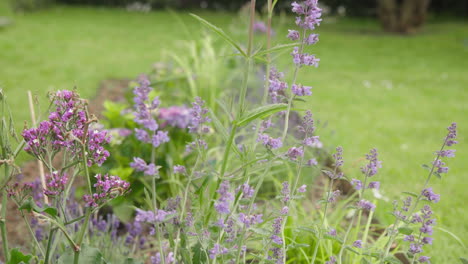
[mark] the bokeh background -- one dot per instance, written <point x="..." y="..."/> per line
<point x="384" y="81"/>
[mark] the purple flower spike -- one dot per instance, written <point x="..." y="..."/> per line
<point x="366" y="205"/>
<point x="294" y="153"/>
<point x="293" y="35"/>
<point x="424" y="259"/>
<point x="430" y="195"/>
<point x="302" y="189"/>
<point x="180" y="169"/>
<point x="374" y="164"/>
<point x="357" y="243"/>
<point x="357" y="184"/>
<point x="374" y="185"/>
<point x="198" y="117"/>
<point x="452" y="135"/>
<point x="300" y="90"/>
<point x="269" y="142"/>
<point x="222" y="204"/>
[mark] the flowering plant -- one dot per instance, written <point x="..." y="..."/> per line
<point x="237" y="195"/>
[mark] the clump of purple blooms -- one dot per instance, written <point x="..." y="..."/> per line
<point x="67" y="129"/>
<point x="107" y="187"/>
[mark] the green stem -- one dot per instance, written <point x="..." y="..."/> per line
<point x="410" y="213"/>
<point x="81" y="236"/>
<point x="161" y="252"/>
<point x="184" y="203"/>
<point x="86" y="170"/>
<point x="323" y="223"/>
<point x="340" y="254"/>
<point x="3" y="227"/>
<point x="32" y="233"/>
<point x="49" y="244"/>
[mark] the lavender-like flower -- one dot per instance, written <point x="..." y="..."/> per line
<point x="357" y="184"/>
<point x="198" y="114"/>
<point x="269" y="142"/>
<point x="301" y="90"/>
<point x="452" y="135"/>
<point x="249" y="220"/>
<point x="357" y="243"/>
<point x="217" y="250"/>
<point x="366" y="205"/>
<point x="293" y="35"/>
<point x="175" y="116"/>
<point x="247" y="190"/>
<point x="430" y="195"/>
<point x="180" y="169"/>
<point x="374" y="185"/>
<point x="374" y="164"/>
<point x="294" y="153"/>
<point x="333" y="196"/>
<point x="276" y="86"/>
<point x="225" y="196"/>
<point x="313" y="142"/>
<point x="148" y="169"/>
<point x="302" y="189"/>
<point x="338" y="156"/>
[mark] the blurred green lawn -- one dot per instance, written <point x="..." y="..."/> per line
<point x="395" y="93"/>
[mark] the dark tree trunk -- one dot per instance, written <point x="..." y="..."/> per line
<point x="402" y="16"/>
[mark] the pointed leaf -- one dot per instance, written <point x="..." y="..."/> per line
<point x="261" y="112"/>
<point x="405" y="230"/>
<point x="276" y="48"/>
<point x="220" y="33"/>
<point x="464" y="260"/>
<point x="221" y="129"/>
<point x="411" y="194"/>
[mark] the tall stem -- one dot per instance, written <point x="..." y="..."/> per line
<point x="323" y="223"/>
<point x="243" y="94"/>
<point x="340" y="254"/>
<point x="3" y="227"/>
<point x="49" y="245"/>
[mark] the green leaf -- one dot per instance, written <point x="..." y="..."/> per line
<point x="452" y="235"/>
<point x="262" y="231"/>
<point x="464" y="260"/>
<point x="261" y="112"/>
<point x="220" y="33"/>
<point x="276" y="48"/>
<point x="411" y="194"/>
<point x="352" y="250"/>
<point x="437" y="174"/>
<point x="199" y="254"/>
<point x="17" y="257"/>
<point x="221" y="129"/>
<point x="425" y="166"/>
<point x="30" y="205"/>
<point x="88" y="255"/>
<point x="405" y="230"/>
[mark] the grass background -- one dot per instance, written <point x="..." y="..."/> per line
<point x="395" y="93"/>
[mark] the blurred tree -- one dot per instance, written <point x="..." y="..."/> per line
<point x="402" y="16"/>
